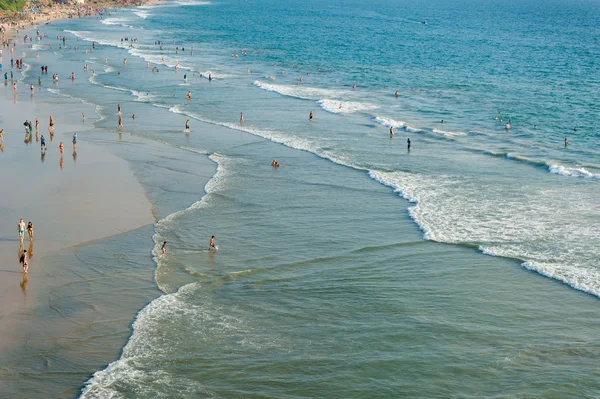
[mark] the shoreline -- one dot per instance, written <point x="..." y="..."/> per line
<point x="12" y="25"/>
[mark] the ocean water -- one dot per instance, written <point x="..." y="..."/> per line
<point x="465" y="267"/>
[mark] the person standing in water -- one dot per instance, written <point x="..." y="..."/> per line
<point x="187" y="126"/>
<point x="121" y="123"/>
<point x="163" y="249"/>
<point x="118" y="109"/>
<point x="310" y="116"/>
<point x="24" y="262"/>
<point x="74" y="141"/>
<point x="566" y="142"/>
<point x="211" y="245"/>
<point x="21" y="227"/>
<point x="408" y="143"/>
<point x="241" y="118"/>
<point x="30" y="230"/>
<point x="391" y="131"/>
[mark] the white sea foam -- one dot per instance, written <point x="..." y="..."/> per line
<point x="116" y="21"/>
<point x="347" y="107"/>
<point x="448" y="133"/>
<point x="142" y="13"/>
<point x="298" y="91"/>
<point x="272" y="135"/>
<point x="504" y="220"/>
<point x="572" y="172"/>
<point x="389" y="122"/>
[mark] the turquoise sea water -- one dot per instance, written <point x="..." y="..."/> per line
<point x="324" y="284"/>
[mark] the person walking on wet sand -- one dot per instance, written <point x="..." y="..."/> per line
<point x="24" y="262"/>
<point x="30" y="230"/>
<point x="21" y="227"/>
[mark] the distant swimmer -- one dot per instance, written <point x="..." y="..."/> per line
<point x="275" y="164"/>
<point x="408" y="143"/>
<point x="120" y="123"/>
<point x="354" y="86"/>
<point x="300" y="79"/>
<point x="340" y="105"/>
<point x="187" y="126"/>
<point x="241" y="117"/>
<point x="72" y="75"/>
<point x="397" y="94"/>
<point x="133" y="116"/>
<point x="125" y="62"/>
<point x="189" y="95"/>
<point x="163" y="249"/>
<point x="566" y="142"/>
<point x="211" y="244"/>
<point x="391" y="131"/>
<point x="39" y="79"/>
<point x="311" y="116"/>
<point x="210" y="77"/>
<point x="507" y="126"/>
<point x="118" y="109"/>
<point x="82" y="116"/>
<point x="574" y="129"/>
<point x="184" y="76"/>
<point x="442" y="121"/>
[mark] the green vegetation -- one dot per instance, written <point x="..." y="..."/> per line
<point x="12" y="5"/>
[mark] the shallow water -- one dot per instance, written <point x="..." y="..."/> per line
<point x="323" y="285"/>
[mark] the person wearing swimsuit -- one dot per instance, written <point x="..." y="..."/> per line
<point x="21" y="226"/>
<point x="30" y="230"/>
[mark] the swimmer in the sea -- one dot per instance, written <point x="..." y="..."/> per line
<point x="163" y="249"/>
<point x="566" y="142"/>
<point x="187" y="126"/>
<point x="241" y="117"/>
<point x="211" y="244"/>
<point x="408" y="143"/>
<point x="189" y="95"/>
<point x="275" y="164"/>
<point x="397" y="94"/>
<point x="311" y="116"/>
<point x="391" y="131"/>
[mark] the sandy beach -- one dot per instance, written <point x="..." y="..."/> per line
<point x="71" y="198"/>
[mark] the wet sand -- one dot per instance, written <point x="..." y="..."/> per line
<point x="70" y="198"/>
